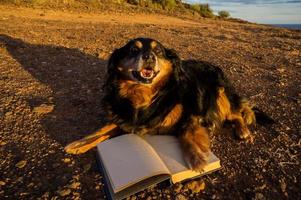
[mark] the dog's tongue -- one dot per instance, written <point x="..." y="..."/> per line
<point x="147" y="73"/>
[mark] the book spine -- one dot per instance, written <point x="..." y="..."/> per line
<point x="105" y="178"/>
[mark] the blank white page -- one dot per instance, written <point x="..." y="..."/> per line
<point x="129" y="159"/>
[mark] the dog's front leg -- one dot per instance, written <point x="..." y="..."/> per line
<point x="90" y="141"/>
<point x="195" y="144"/>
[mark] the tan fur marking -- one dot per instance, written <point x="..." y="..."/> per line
<point x="140" y="95"/>
<point x="195" y="144"/>
<point x="222" y="111"/>
<point x="153" y="44"/>
<point x="173" y="116"/>
<point x="139" y="44"/>
<point x="163" y="76"/>
<point x="223" y="104"/>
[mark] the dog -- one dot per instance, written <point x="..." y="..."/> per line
<point x="150" y="90"/>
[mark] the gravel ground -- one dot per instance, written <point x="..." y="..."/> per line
<point x="52" y="66"/>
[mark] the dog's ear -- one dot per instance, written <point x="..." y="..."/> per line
<point x="179" y="72"/>
<point x="113" y="60"/>
<point x="111" y="70"/>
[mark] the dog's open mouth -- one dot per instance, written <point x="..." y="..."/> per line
<point x="145" y="75"/>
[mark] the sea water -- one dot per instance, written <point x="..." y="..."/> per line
<point x="289" y="26"/>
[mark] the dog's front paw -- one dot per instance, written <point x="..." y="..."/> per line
<point x="196" y="158"/>
<point x="77" y="147"/>
<point x="244" y="134"/>
<point x="85" y="144"/>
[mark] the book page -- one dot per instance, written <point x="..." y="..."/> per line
<point x="128" y="159"/>
<point x="169" y="149"/>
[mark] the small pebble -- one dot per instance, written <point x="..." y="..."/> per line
<point x="43" y="109"/>
<point x="67" y="160"/>
<point x="178" y="187"/>
<point x="180" y="197"/>
<point x="74" y="185"/>
<point x="195" y="186"/>
<point x="21" y="164"/>
<point x="64" y="192"/>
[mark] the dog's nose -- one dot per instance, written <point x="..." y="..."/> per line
<point x="148" y="57"/>
<point x="145" y="56"/>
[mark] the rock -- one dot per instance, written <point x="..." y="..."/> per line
<point x="195" y="186"/>
<point x="282" y="185"/>
<point x="74" y="185"/>
<point x="30" y="185"/>
<point x="180" y="197"/>
<point x="66" y="160"/>
<point x="7" y="114"/>
<point x="87" y="167"/>
<point x="43" y="109"/>
<point x="64" y="192"/>
<point x="133" y="197"/>
<point x="21" y="164"/>
<point x="281" y="70"/>
<point x="2" y="143"/>
<point x="178" y="187"/>
<point x="76" y="177"/>
<point x="259" y="196"/>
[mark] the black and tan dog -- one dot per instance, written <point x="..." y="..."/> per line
<point x="149" y="90"/>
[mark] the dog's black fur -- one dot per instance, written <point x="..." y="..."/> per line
<point x="195" y="85"/>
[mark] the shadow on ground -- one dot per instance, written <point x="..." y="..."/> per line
<point x="75" y="79"/>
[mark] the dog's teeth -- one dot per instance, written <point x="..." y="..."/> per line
<point x="147" y="75"/>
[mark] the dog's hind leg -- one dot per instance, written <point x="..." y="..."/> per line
<point x="195" y="144"/>
<point x="242" y="117"/>
<point x="247" y="112"/>
<point x="90" y="141"/>
<point x="241" y="129"/>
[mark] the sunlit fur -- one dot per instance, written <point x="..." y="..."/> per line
<point x="187" y="99"/>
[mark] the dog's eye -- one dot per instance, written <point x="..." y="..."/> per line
<point x="158" y="51"/>
<point x="134" y="50"/>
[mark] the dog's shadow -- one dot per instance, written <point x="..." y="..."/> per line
<point x="75" y="80"/>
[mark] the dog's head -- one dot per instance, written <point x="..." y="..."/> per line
<point x="143" y="60"/>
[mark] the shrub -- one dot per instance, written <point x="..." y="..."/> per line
<point x="195" y="7"/>
<point x="203" y="9"/>
<point x="223" y="14"/>
<point x="134" y="2"/>
<point x="165" y="4"/>
<point x="206" y="11"/>
<point x="170" y="4"/>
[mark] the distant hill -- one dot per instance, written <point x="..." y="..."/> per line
<point x="170" y="7"/>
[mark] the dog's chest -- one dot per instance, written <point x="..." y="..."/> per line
<point x="165" y="126"/>
<point x="139" y="95"/>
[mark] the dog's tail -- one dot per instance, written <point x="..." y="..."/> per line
<point x="262" y="118"/>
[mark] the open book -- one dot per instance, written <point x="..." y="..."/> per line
<point x="131" y="163"/>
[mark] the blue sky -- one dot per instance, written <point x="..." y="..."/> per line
<point x="260" y="11"/>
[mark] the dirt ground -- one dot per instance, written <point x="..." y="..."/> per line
<point x="52" y="66"/>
